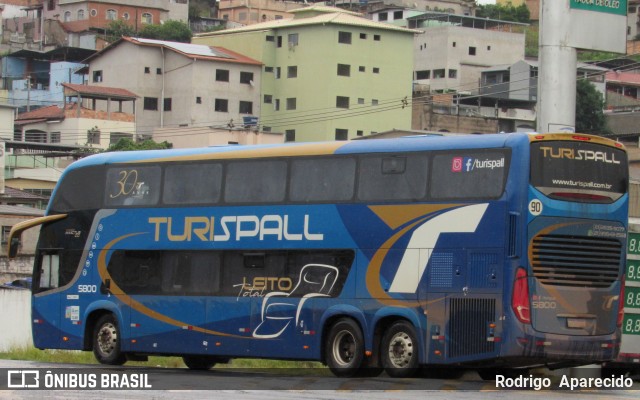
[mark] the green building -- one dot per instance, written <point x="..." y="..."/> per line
<point x="328" y="74"/>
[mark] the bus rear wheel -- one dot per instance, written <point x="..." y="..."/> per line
<point x="344" y="349"/>
<point x="106" y="341"/>
<point x="399" y="350"/>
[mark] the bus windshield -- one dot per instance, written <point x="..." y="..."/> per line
<point x="579" y="171"/>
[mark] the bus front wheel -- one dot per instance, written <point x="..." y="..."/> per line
<point x="345" y="348"/>
<point x="399" y="350"/>
<point x="106" y="341"/>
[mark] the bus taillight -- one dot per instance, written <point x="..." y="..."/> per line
<point x="520" y="300"/>
<point x="621" y="303"/>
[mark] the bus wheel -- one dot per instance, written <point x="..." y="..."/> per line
<point x="399" y="350"/>
<point x="344" y="348"/>
<point x="106" y="341"/>
<point x="200" y="363"/>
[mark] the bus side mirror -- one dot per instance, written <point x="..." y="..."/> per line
<point x="14" y="245"/>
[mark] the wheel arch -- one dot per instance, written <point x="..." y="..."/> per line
<point x="332" y="315"/>
<point x="93" y="313"/>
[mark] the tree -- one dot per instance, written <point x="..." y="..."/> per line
<point x="126" y="144"/>
<point x="117" y="29"/>
<point x="174" y="31"/>
<point x="590" y="109"/>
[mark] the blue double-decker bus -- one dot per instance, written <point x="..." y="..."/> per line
<point x="489" y="252"/>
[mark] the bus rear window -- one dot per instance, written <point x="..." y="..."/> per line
<point x="478" y="174"/>
<point x="579" y="171"/>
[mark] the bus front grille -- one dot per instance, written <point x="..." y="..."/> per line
<point x="578" y="261"/>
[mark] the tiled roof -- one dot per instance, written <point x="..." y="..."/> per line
<point x="14" y="193"/>
<point x="100" y="91"/>
<point x="49" y="112"/>
<point x="339" y="18"/>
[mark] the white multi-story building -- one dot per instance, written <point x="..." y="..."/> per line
<point x="180" y="85"/>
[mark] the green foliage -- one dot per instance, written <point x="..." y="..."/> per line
<point x="126" y="144"/>
<point x="590" y="109"/>
<point x="504" y="13"/>
<point x="119" y="28"/>
<point x="174" y="31"/>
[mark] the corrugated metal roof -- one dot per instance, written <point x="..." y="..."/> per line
<point x="340" y="18"/>
<point x="186" y="48"/>
<point x="20" y="210"/>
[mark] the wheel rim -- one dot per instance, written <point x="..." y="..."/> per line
<point x="344" y="348"/>
<point x="400" y="350"/>
<point x="107" y="338"/>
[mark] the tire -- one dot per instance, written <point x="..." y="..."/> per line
<point x="399" y="350"/>
<point x="107" y="341"/>
<point x="200" y="363"/>
<point x="344" y="348"/>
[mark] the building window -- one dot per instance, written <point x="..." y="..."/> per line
<point x="67" y="16"/>
<point x="453" y="73"/>
<point x="383" y="16"/>
<point x="292" y="71"/>
<point x="454" y="44"/>
<point x="424" y="74"/>
<point x="344" y="37"/>
<point x="342" y="102"/>
<point x="198" y="100"/>
<point x="246" y="78"/>
<point x="362" y="68"/>
<point x="278" y="72"/>
<point x="374" y="102"/>
<point x="438" y="73"/>
<point x="147" y="18"/>
<point x="97" y="76"/>
<point x="276" y="105"/>
<point x="222" y="75"/>
<point x="291" y="103"/>
<point x="93" y="12"/>
<point x="167" y="104"/>
<point x="221" y="105"/>
<point x="488" y="48"/>
<point x="360" y="100"/>
<point x="147" y="70"/>
<point x="6" y="229"/>
<point x="377" y="38"/>
<point x="93" y="136"/>
<point x="268" y="99"/>
<point x="151" y="103"/>
<point x="246" y="107"/>
<point x="292" y="39"/>
<point x="55" y="137"/>
<point x="472" y="51"/>
<point x="376" y="70"/>
<point x="397" y="15"/>
<point x="158" y="71"/>
<point x="80" y="14"/>
<point x="270" y="38"/>
<point x="363" y="36"/>
<point x="112" y="15"/>
<point x="268" y="69"/>
<point x="344" y="70"/>
<point x="126" y="16"/>
<point x="360" y="133"/>
<point x="290" y="135"/>
<point x="342" y="134"/>
<point x="279" y="41"/>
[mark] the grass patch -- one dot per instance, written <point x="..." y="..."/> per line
<point x="86" y="357"/>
